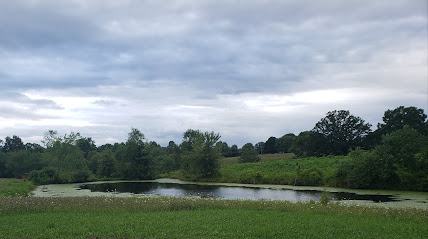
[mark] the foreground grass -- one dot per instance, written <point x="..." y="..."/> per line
<point x="15" y="187"/>
<point x="23" y="217"/>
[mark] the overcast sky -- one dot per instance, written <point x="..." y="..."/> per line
<point x="245" y="69"/>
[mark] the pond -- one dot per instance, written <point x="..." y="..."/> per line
<point x="227" y="192"/>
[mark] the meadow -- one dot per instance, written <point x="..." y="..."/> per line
<point x="282" y="169"/>
<point x="164" y="217"/>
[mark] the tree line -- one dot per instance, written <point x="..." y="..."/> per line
<point x="395" y="155"/>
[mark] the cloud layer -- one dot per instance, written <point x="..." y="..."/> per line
<point x="246" y="69"/>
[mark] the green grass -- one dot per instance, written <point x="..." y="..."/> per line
<point x="15" y="187"/>
<point x="272" y="170"/>
<point x="201" y="218"/>
<point x="263" y="158"/>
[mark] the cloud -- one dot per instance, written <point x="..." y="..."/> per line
<point x="247" y="70"/>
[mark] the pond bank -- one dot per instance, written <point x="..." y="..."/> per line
<point x="404" y="199"/>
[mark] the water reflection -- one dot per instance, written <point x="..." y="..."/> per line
<point x="212" y="191"/>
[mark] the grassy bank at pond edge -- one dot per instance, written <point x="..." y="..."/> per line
<point x="284" y="170"/>
<point x="163" y="217"/>
<point x="15" y="187"/>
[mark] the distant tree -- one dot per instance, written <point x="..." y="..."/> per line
<point x="249" y="154"/>
<point x="259" y="147"/>
<point x="342" y="131"/>
<point x="224" y="148"/>
<point x="308" y="144"/>
<point x="21" y="162"/>
<point x="234" y="151"/>
<point x="13" y="144"/>
<point x="86" y="145"/>
<point x="199" y="154"/>
<point x="68" y="162"/>
<point x="400" y="162"/>
<point x="396" y="119"/>
<point x="284" y="143"/>
<point x="131" y="163"/>
<point x="173" y="158"/>
<point x="270" y="146"/>
<point x="34" y="148"/>
<point x="107" y="165"/>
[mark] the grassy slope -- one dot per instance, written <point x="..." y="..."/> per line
<point x="15" y="187"/>
<point x="201" y="218"/>
<point x="278" y="169"/>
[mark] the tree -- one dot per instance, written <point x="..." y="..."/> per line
<point x="86" y="145"/>
<point x="259" y="147"/>
<point x="68" y="163"/>
<point x="200" y="156"/>
<point x="308" y="144"/>
<point x="13" y="144"/>
<point x="224" y="148"/>
<point x="342" y="131"/>
<point x="284" y="143"/>
<point x="396" y="119"/>
<point x="270" y="146"/>
<point x="132" y="164"/>
<point x="249" y="154"/>
<point x="234" y="151"/>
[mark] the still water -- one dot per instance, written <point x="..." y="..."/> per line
<point x="214" y="191"/>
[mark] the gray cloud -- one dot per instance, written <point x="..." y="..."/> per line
<point x="168" y="66"/>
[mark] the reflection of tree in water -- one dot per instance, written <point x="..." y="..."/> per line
<point x="178" y="190"/>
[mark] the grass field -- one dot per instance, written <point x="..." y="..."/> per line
<point x="263" y="158"/>
<point x="15" y="187"/>
<point x="281" y="169"/>
<point x="23" y="217"/>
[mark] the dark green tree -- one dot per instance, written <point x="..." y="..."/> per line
<point x="308" y="144"/>
<point x="284" y="143"/>
<point x="132" y="164"/>
<point x="259" y="147"/>
<point x="13" y="144"/>
<point x="270" y="146"/>
<point x="342" y="131"/>
<point x="234" y="151"/>
<point x="249" y="154"/>
<point x="107" y="165"/>
<point x="86" y="145"/>
<point x="396" y="119"/>
<point x="199" y="154"/>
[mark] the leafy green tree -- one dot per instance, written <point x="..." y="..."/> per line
<point x="199" y="154"/>
<point x="106" y="165"/>
<point x="68" y="162"/>
<point x="308" y="144"/>
<point x="270" y="146"/>
<point x="249" y="154"/>
<point x="284" y="143"/>
<point x="224" y="148"/>
<point x="131" y="163"/>
<point x="21" y="162"/>
<point x="342" y="131"/>
<point x="403" y="163"/>
<point x="361" y="171"/>
<point x="86" y="145"/>
<point x="13" y="144"/>
<point x="396" y="119"/>
<point x="234" y="151"/>
<point x="36" y="148"/>
<point x="173" y="158"/>
<point x="259" y="147"/>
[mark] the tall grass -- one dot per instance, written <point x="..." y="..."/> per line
<point x="15" y="187"/>
<point x="308" y="171"/>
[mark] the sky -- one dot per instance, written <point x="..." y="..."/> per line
<point x="245" y="69"/>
